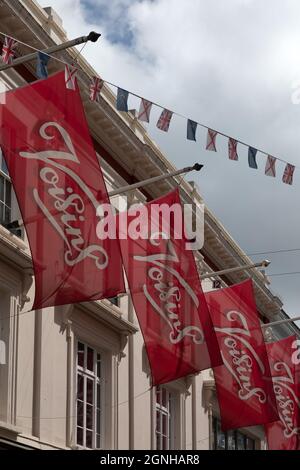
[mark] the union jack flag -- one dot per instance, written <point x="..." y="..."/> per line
<point x="144" y="112"/>
<point x="270" y="169"/>
<point x="70" y="77"/>
<point x="8" y="52"/>
<point x="232" y="149"/>
<point x="95" y="88"/>
<point x="164" y="120"/>
<point x="288" y="174"/>
<point x="211" y="140"/>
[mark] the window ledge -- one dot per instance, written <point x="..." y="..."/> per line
<point x="9" y="429"/>
<point x="14" y="249"/>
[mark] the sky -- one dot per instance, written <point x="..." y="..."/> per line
<point x="233" y="66"/>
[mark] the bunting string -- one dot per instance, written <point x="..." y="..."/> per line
<point x="163" y="123"/>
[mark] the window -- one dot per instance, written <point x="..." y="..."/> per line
<point x="230" y="440"/>
<point x="5" y="192"/>
<point x="89" y="414"/>
<point x="163" y="419"/>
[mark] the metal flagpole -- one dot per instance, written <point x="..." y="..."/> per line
<point x="197" y="167"/>
<point x="261" y="264"/>
<point x="155" y="179"/>
<point x="93" y="37"/>
<point x="280" y="322"/>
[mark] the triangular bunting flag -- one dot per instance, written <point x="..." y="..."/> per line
<point x="41" y="66"/>
<point x="252" y="157"/>
<point x="95" y="88"/>
<point x="232" y="149"/>
<point x="122" y="98"/>
<point x="8" y="52"/>
<point x="70" y="77"/>
<point x="191" y="130"/>
<point x="270" y="166"/>
<point x="145" y="109"/>
<point x="164" y="120"/>
<point x="288" y="174"/>
<point x="211" y="140"/>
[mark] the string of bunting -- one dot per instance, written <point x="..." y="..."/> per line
<point x="163" y="123"/>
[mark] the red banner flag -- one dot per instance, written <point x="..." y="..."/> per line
<point x="284" y="434"/>
<point x="166" y="291"/>
<point x="243" y="383"/>
<point x="59" y="186"/>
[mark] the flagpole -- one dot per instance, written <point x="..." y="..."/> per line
<point x="280" y="322"/>
<point x="15" y="224"/>
<point x="155" y="179"/>
<point x="262" y="264"/>
<point x="93" y="37"/>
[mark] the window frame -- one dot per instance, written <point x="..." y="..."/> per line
<point x="84" y="372"/>
<point x="3" y="202"/>
<point x="169" y="412"/>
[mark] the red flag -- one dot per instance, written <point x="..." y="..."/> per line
<point x="243" y="383"/>
<point x="166" y="292"/>
<point x="285" y="433"/>
<point x="59" y="185"/>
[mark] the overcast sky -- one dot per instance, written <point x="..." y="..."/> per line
<point x="232" y="66"/>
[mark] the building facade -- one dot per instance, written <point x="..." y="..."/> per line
<point x="77" y="376"/>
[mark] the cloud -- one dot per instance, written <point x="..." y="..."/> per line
<point x="230" y="65"/>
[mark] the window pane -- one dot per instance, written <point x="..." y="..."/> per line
<point x="90" y="359"/>
<point x="221" y="438"/>
<point x="79" y="436"/>
<point x="79" y="413"/>
<point x="80" y="382"/>
<point x="3" y="164"/>
<point x="98" y="366"/>
<point x="7" y="214"/>
<point x="157" y="421"/>
<point x="8" y="193"/>
<point x="165" y="424"/>
<point x="1" y="188"/>
<point x="80" y="355"/>
<point x="230" y="440"/>
<point x="158" y="447"/>
<point x="240" y="441"/>
<point x="158" y="396"/>
<point x="89" y="439"/>
<point x="89" y="416"/>
<point x="164" y="397"/>
<point x="89" y="391"/>
<point x="250" y="444"/>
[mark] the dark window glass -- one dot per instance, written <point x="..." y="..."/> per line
<point x="80" y="354"/>
<point x="90" y="359"/>
<point x="89" y="439"/>
<point x="79" y="413"/>
<point x="89" y="416"/>
<point x="79" y="436"/>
